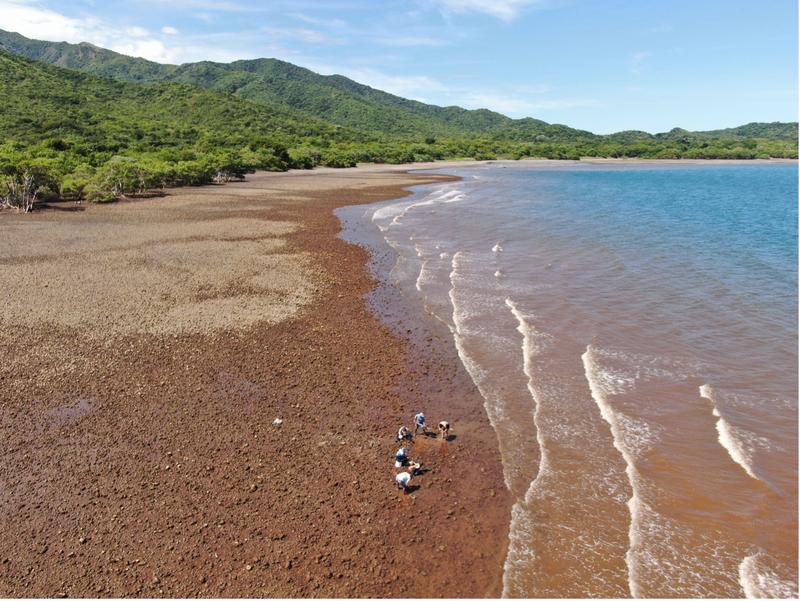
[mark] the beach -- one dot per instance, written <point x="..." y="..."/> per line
<point x="148" y="347"/>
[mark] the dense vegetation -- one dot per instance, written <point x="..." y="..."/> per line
<point x="109" y="125"/>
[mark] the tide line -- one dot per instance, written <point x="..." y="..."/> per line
<point x="759" y="582"/>
<point x="634" y="503"/>
<point x="527" y="351"/>
<point x="726" y="435"/>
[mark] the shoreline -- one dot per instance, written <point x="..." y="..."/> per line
<point x="146" y="462"/>
<point x="366" y="168"/>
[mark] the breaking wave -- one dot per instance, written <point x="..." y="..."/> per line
<point x="760" y="581"/>
<point x="599" y="384"/>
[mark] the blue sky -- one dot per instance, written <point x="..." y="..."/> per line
<point x="601" y="65"/>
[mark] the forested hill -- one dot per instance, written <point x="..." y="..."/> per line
<point x="337" y="99"/>
<point x="276" y="83"/>
<point x="67" y="127"/>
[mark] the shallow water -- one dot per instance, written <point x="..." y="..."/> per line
<point x="632" y="330"/>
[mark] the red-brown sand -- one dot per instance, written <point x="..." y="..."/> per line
<point x="141" y="459"/>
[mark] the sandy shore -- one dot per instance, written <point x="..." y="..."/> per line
<point x="147" y="348"/>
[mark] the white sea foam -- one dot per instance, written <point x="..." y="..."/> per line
<point x="532" y="342"/>
<point x="759" y="581"/>
<point x="418" y="283"/>
<point x="497" y="248"/>
<point x="389" y="211"/>
<point x="732" y="439"/>
<point x="400" y="210"/>
<point x="520" y="552"/>
<point x="598" y="385"/>
<point x="426" y="274"/>
<point x="498" y="274"/>
<point x="492" y="401"/>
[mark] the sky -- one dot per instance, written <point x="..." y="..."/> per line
<point x="600" y="65"/>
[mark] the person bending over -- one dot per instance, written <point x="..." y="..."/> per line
<point x="444" y="429"/>
<point x="402" y="479"/>
<point x="403" y="433"/>
<point x="419" y="422"/>
<point x="401" y="457"/>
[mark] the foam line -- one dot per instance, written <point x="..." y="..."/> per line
<point x="527" y="367"/>
<point x="421" y="276"/>
<point x="400" y="211"/>
<point x="518" y="513"/>
<point x="472" y="368"/>
<point x="761" y="582"/>
<point x="634" y="503"/>
<point x="726" y="434"/>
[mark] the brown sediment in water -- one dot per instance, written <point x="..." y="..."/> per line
<point x="148" y="347"/>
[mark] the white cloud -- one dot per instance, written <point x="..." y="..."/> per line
<point x="137" y="32"/>
<point x="309" y="36"/>
<point x="501" y="104"/>
<point x="152" y="50"/>
<point x="335" y="23"/>
<point x="416" y="87"/>
<point x="34" y="21"/>
<point x="169" y="30"/>
<point x="563" y="103"/>
<point x="410" y="41"/>
<point x="507" y="10"/>
<point x="522" y="107"/>
<point x="221" y="6"/>
<point x="663" y="28"/>
<point x="637" y="61"/>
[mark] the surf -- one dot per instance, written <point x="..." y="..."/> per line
<point x="634" y="503"/>
<point x="728" y="436"/>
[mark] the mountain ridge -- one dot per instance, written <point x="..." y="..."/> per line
<point x="82" y="134"/>
<point x="336" y="98"/>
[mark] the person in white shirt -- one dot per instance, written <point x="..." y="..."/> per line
<point x="402" y="479"/>
<point x="403" y="433"/>
<point x="419" y="422"/>
<point x="444" y="429"/>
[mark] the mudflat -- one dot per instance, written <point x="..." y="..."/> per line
<point x="147" y="348"/>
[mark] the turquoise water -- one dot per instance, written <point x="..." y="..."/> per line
<point x="633" y="330"/>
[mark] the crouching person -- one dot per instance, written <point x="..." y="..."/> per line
<point x="419" y="423"/>
<point x="401" y="457"/>
<point x="403" y="433"/>
<point x="402" y="480"/>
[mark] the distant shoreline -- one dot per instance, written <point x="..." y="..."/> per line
<point x="601" y="160"/>
<point x="366" y="167"/>
<point x="586" y="160"/>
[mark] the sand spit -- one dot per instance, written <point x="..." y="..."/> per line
<point x="148" y="346"/>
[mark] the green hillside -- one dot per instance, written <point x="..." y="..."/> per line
<point x="83" y="133"/>
<point x="57" y="122"/>
<point x="279" y="84"/>
<point x="42" y="102"/>
<point x="770" y="131"/>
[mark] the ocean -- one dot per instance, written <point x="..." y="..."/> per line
<point x="632" y="330"/>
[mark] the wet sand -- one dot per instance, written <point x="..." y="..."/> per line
<point x="147" y="348"/>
